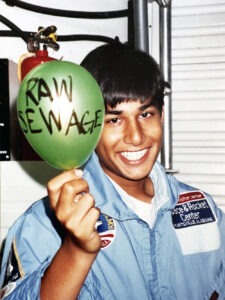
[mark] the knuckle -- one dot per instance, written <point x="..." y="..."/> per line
<point x="75" y="186"/>
<point x="90" y="199"/>
<point x="67" y="188"/>
<point x="50" y="186"/>
<point x="84" y="185"/>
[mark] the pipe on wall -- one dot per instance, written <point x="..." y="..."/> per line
<point x="140" y="12"/>
<point x="165" y="64"/>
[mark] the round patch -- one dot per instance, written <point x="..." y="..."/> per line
<point x="106" y="229"/>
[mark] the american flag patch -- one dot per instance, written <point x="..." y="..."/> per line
<point x="106" y="229"/>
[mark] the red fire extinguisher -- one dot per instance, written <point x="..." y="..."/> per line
<point x="37" y="46"/>
<point x="38" y="50"/>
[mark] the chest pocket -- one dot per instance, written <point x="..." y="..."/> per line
<point x="195" y="223"/>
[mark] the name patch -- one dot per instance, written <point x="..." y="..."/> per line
<point x="192" y="209"/>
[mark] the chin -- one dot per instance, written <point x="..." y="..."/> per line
<point x="138" y="176"/>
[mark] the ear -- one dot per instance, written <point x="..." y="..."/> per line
<point x="162" y="115"/>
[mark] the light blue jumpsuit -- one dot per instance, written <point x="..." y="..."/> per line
<point x="182" y="255"/>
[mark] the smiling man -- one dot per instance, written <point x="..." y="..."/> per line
<point x="119" y="228"/>
<point x="129" y="146"/>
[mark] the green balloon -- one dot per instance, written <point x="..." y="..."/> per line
<point x="61" y="111"/>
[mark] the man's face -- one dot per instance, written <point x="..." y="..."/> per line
<point x="130" y="141"/>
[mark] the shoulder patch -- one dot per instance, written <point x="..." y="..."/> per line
<point x="7" y="290"/>
<point x="106" y="229"/>
<point x="14" y="269"/>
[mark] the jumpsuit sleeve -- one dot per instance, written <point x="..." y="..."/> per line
<point x="30" y="246"/>
<point x="27" y="288"/>
<point x="220" y="277"/>
<point x="218" y="284"/>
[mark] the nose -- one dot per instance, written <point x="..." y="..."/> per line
<point x="134" y="133"/>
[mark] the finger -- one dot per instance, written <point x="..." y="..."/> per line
<point x="77" y="197"/>
<point x="86" y="236"/>
<point x="70" y="211"/>
<point x="70" y="192"/>
<point x="84" y="204"/>
<point x="92" y="216"/>
<point x="87" y="224"/>
<point x="56" y="183"/>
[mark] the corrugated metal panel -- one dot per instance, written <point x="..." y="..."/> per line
<point x="198" y="81"/>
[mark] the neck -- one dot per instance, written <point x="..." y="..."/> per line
<point x="140" y="189"/>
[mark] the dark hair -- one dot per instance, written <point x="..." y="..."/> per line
<point x="124" y="73"/>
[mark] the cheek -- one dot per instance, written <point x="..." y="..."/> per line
<point x="154" y="131"/>
<point x="109" y="138"/>
<point x="160" y="131"/>
<point x="104" y="143"/>
<point x="160" y="135"/>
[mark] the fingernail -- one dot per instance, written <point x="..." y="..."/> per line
<point x="78" y="172"/>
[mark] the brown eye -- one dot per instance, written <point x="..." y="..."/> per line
<point x="113" y="120"/>
<point x="146" y="114"/>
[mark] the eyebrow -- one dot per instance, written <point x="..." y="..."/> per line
<point x="113" y="112"/>
<point x="119" y="112"/>
<point x="146" y="106"/>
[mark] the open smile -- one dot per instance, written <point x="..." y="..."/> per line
<point x="134" y="155"/>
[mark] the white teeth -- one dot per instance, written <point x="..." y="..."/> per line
<point x="134" y="155"/>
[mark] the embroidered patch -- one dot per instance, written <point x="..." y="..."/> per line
<point x="195" y="224"/>
<point x="106" y="230"/>
<point x="8" y="289"/>
<point x="13" y="270"/>
<point x="192" y="209"/>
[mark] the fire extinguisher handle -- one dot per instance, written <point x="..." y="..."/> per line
<point x="46" y="31"/>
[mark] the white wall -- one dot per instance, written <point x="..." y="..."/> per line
<point x="24" y="182"/>
<point x="12" y="48"/>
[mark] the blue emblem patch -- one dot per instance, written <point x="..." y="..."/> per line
<point x="106" y="229"/>
<point x="192" y="209"/>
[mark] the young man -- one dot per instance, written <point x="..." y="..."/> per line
<point x="121" y="228"/>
